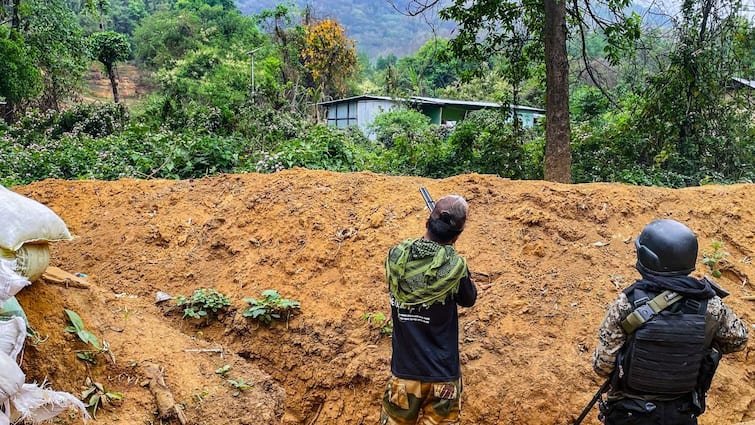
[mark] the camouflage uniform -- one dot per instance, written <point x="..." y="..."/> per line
<point x="730" y="336"/>
<point x="404" y="399"/>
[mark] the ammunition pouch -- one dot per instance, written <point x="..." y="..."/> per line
<point x="708" y="368"/>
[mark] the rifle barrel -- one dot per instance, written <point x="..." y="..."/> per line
<point x="428" y="199"/>
<point x="603" y="388"/>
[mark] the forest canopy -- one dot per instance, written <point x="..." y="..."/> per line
<point x="221" y="91"/>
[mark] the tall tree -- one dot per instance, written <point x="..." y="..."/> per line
<point x="691" y="122"/>
<point x="21" y="79"/>
<point x="557" y="129"/>
<point x="329" y="56"/>
<point x="51" y="38"/>
<point x="486" y="27"/>
<point x="110" y="47"/>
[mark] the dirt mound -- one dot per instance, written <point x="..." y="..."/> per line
<point x="554" y="256"/>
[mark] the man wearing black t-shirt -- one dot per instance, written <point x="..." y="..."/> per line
<point x="427" y="279"/>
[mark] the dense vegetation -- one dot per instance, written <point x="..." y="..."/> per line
<point x="374" y="24"/>
<point x="668" y="115"/>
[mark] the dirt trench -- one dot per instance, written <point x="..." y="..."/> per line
<point x="554" y="256"/>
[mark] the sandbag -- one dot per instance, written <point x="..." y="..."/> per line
<point x="31" y="259"/>
<point x="30" y="402"/>
<point x="10" y="281"/>
<point x="12" y="336"/>
<point x="26" y="220"/>
<point x="11" y="378"/>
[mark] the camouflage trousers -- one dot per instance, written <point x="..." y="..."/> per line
<point x="408" y="402"/>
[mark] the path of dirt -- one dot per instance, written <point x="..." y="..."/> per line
<point x="555" y="256"/>
<point x="132" y="86"/>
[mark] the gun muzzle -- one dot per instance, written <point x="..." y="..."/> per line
<point x="428" y="199"/>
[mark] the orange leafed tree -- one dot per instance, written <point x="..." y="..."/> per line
<point x="329" y="56"/>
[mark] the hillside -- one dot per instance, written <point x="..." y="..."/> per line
<point x="377" y="28"/>
<point x="553" y="256"/>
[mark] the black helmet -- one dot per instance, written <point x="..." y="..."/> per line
<point x="667" y="248"/>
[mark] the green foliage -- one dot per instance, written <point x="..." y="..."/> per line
<point x="21" y="79"/>
<point x="87" y="337"/>
<point x="401" y="122"/>
<point x="587" y="103"/>
<point x="713" y="258"/>
<point x="96" y="396"/>
<point x="203" y="303"/>
<point x="239" y="384"/>
<point x="271" y="307"/>
<point x="630" y="147"/>
<point x="487" y="142"/>
<point x="78" y="328"/>
<point x="109" y="47"/>
<point x="42" y="57"/>
<point x="223" y="370"/>
<point x="379" y="321"/>
<point x="63" y="146"/>
<point x="164" y="37"/>
<point x="321" y="147"/>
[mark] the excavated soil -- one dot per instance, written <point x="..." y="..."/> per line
<point x="551" y="256"/>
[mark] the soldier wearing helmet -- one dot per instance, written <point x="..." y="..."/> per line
<point x="661" y="340"/>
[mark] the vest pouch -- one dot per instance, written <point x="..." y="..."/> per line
<point x="664" y="356"/>
<point x="708" y="369"/>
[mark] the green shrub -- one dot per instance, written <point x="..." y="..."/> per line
<point x="398" y="123"/>
<point x="320" y="148"/>
<point x="270" y="307"/>
<point x="204" y="303"/>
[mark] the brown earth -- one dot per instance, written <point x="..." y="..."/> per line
<point x="132" y="84"/>
<point x="554" y="256"/>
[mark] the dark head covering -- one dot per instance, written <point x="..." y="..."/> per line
<point x="452" y="210"/>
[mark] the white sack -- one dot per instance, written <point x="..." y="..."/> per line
<point x="11" y="378"/>
<point x="36" y="404"/>
<point x="26" y="220"/>
<point x="12" y="336"/>
<point x="10" y="281"/>
<point x="32" y="260"/>
<point x="32" y="403"/>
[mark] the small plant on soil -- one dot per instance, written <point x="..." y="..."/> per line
<point x="223" y="370"/>
<point x="87" y="337"/>
<point x="204" y="303"/>
<point x="270" y="308"/>
<point x="713" y="259"/>
<point x="96" y="396"/>
<point x="379" y="321"/>
<point x="240" y="385"/>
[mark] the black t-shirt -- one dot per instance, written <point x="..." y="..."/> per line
<point x="426" y="339"/>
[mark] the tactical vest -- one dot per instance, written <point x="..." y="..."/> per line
<point x="664" y="354"/>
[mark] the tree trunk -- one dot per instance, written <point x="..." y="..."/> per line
<point x="113" y="81"/>
<point x="15" y="20"/>
<point x="557" y="131"/>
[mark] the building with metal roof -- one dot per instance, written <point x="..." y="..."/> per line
<point x="361" y="110"/>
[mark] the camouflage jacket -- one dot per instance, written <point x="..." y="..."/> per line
<point x="730" y="332"/>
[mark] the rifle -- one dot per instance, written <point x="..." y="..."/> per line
<point x="603" y="388"/>
<point x="428" y="199"/>
<point x="718" y="289"/>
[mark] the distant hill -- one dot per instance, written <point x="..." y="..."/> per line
<point x="375" y="25"/>
<point x="380" y="30"/>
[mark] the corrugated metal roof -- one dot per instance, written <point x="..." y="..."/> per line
<point x="439" y="101"/>
<point x="361" y="97"/>
<point x="748" y="83"/>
